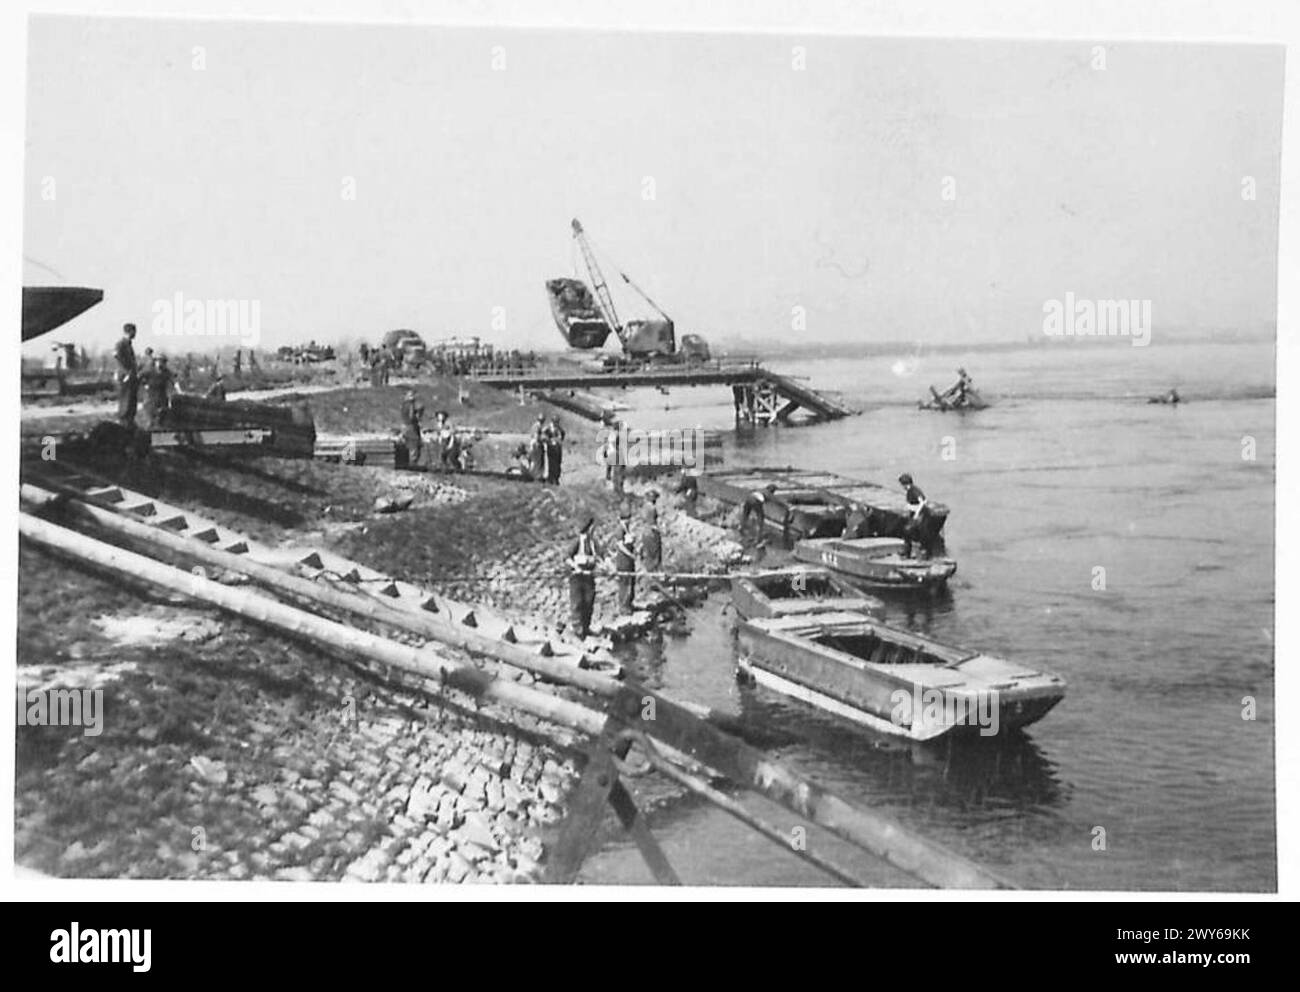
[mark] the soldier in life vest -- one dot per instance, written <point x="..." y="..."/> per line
<point x="625" y="561"/>
<point x="583" y="557"/>
<point x="412" y="413"/>
<point x="917" y="527"/>
<point x="652" y="542"/>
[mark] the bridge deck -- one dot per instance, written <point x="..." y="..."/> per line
<point x="749" y="374"/>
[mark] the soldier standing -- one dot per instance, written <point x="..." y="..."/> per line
<point x="917" y="527"/>
<point x="128" y="376"/>
<point x="554" y="451"/>
<point x="652" y="542"/>
<point x="537" y="448"/>
<point x="412" y="412"/>
<point x="583" y="556"/>
<point x="625" y="561"/>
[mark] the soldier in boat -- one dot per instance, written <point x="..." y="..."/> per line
<point x="917" y="528"/>
<point x="859" y="522"/>
<point x="755" y="505"/>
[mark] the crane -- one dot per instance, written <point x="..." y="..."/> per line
<point x="603" y="298"/>
<point x="640" y="338"/>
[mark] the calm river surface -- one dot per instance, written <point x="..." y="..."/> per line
<point x="1070" y="469"/>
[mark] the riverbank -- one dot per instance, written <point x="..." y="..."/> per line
<point x="230" y="753"/>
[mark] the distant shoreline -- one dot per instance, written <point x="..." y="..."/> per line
<point x="874" y="349"/>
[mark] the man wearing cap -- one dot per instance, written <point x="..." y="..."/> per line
<point x="652" y="542"/>
<point x="583" y="555"/>
<point x="916" y="528"/>
<point x="625" y="560"/>
<point x="128" y="376"/>
<point x="412" y="412"/>
<point x="217" y="391"/>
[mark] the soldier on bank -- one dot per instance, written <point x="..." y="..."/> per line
<point x="412" y="414"/>
<point x="128" y="376"/>
<point x="625" y="561"/>
<point x="583" y="556"/>
<point x="652" y="542"/>
<point x="554" y="443"/>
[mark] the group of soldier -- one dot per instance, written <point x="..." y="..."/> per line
<point x="451" y="450"/>
<point x="149" y="383"/>
<point x="585" y="557"/>
<point x="860" y="521"/>
<point x="546" y="450"/>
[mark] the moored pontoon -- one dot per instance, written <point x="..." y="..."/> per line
<point x="892" y="680"/>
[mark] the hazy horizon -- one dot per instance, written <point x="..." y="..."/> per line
<point x="775" y="187"/>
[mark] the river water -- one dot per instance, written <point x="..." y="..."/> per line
<point x="1070" y="470"/>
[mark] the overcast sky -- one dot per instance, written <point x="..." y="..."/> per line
<point x="774" y="187"/>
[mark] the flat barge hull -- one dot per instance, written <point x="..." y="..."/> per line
<point x="798" y="591"/>
<point x="892" y="680"/>
<point x="833" y="493"/>
<point x="877" y="562"/>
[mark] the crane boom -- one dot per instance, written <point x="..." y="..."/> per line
<point x="603" y="298"/>
<point x="646" y="296"/>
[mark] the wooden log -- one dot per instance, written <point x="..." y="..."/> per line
<point x="326" y="634"/>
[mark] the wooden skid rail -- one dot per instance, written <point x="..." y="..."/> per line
<point x="324" y="566"/>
